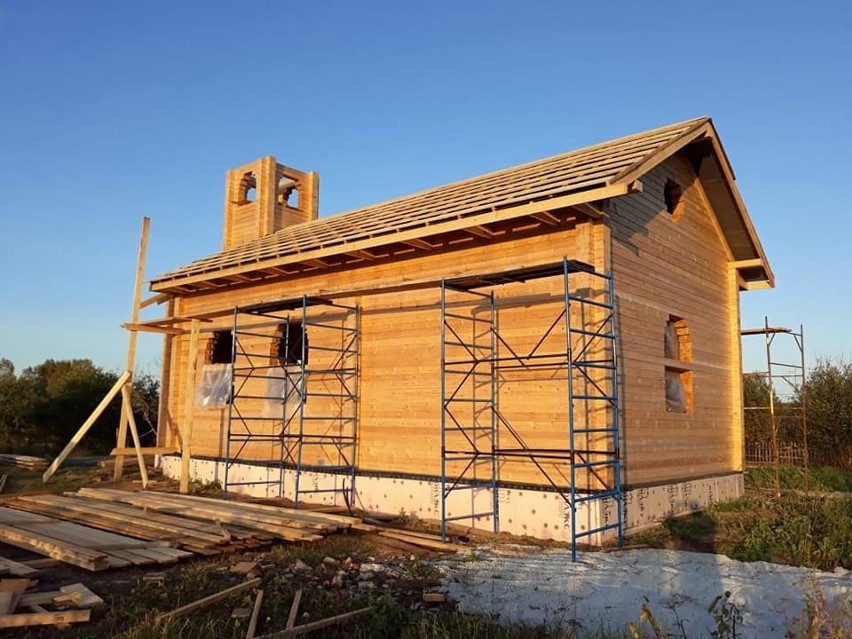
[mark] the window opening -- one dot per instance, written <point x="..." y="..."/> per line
<point x="291" y="345"/>
<point x="287" y="193"/>
<point x="248" y="188"/>
<point x="213" y="388"/>
<point x="673" y="196"/>
<point x="678" y="374"/>
<point x="220" y="349"/>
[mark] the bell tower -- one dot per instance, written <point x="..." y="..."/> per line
<point x="263" y="197"/>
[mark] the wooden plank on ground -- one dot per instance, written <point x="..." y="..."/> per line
<point x="69" y="553"/>
<point x="122" y="519"/>
<point x="210" y="510"/>
<point x="328" y="519"/>
<point x="294" y="609"/>
<point x="44" y="618"/>
<point x="255" y="615"/>
<point x="15" y="589"/>
<point x="81" y="545"/>
<point x="16" y="568"/>
<point x="78" y="595"/>
<point x="317" y="625"/>
<point x="425" y="543"/>
<point x="200" y="603"/>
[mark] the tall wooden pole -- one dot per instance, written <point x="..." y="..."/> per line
<point x="127" y="409"/>
<point x="188" y="408"/>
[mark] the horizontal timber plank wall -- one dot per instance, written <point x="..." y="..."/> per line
<point x="400" y="396"/>
<point x="664" y="266"/>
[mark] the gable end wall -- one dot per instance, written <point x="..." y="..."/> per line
<point x="675" y="267"/>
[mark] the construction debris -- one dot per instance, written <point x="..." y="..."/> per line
<point x="246" y="568"/>
<point x="15" y="596"/>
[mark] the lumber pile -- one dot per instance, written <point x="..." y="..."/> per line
<point x="100" y="528"/>
<point x="20" y="606"/>
<point x="284" y="523"/>
<point x="81" y="546"/>
<point x="27" y="462"/>
<point x="203" y="538"/>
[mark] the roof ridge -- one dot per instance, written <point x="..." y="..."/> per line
<point x="572" y="171"/>
<point x="515" y="167"/>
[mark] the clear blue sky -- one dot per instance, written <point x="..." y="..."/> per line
<point x="114" y="110"/>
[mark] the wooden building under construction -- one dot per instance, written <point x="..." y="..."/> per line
<point x="552" y="349"/>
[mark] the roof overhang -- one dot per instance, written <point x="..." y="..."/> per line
<point x="697" y="140"/>
<point x="702" y="146"/>
<point x="580" y="202"/>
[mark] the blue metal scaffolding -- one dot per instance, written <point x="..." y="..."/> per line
<point x="476" y="437"/>
<point x="298" y="396"/>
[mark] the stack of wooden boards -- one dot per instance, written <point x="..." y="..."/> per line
<point x="80" y="545"/>
<point x="20" y="606"/>
<point x="150" y="527"/>
<point x="27" y="462"/>
<point x="99" y="528"/>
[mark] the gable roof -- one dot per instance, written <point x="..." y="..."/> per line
<point x="586" y="175"/>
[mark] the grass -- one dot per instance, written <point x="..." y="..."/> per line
<point x="814" y="531"/>
<point x="821" y="478"/>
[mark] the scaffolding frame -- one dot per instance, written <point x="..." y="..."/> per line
<point x="291" y="428"/>
<point x="790" y="376"/>
<point x="472" y="359"/>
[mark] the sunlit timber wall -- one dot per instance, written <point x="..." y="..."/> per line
<point x="668" y="267"/>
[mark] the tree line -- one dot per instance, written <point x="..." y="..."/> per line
<point x="827" y="396"/>
<point x="43" y="406"/>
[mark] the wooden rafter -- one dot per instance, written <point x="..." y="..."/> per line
<point x="480" y="231"/>
<point x="546" y="217"/>
<point x="155" y="299"/>
<point x="420" y="244"/>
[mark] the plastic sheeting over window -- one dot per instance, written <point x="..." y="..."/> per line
<point x="284" y="393"/>
<point x="214" y="386"/>
<point x="675" y="393"/>
<point x="678" y="378"/>
<point x="672" y="344"/>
